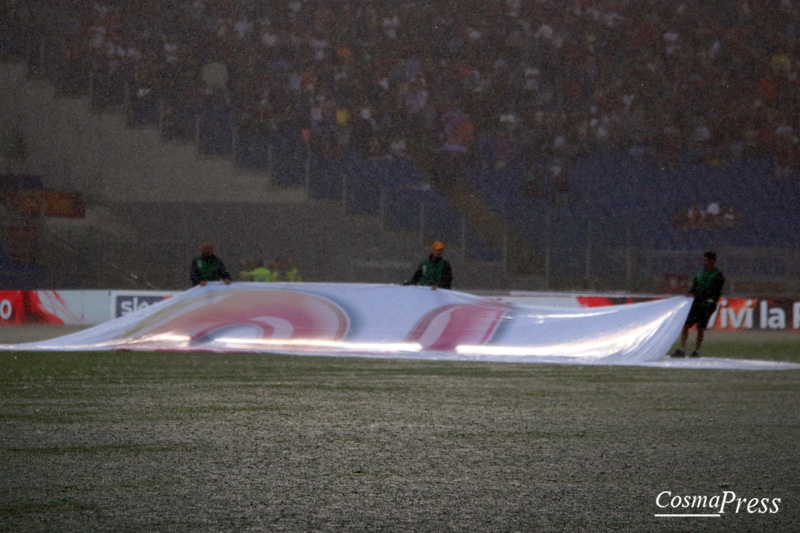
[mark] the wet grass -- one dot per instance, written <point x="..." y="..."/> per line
<point x="241" y="442"/>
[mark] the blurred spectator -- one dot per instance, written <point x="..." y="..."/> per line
<point x="680" y="218"/>
<point x="255" y="271"/>
<point x="695" y="216"/>
<point x="712" y="217"/>
<point x="685" y="82"/>
<point x="290" y="271"/>
<point x="730" y="218"/>
<point x="561" y="181"/>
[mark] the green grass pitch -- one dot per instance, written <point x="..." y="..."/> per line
<point x="124" y="441"/>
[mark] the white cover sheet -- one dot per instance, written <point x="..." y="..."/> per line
<point x="390" y="321"/>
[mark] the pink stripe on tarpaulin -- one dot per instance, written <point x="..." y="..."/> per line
<point x="449" y="326"/>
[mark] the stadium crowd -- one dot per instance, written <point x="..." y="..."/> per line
<point x="504" y="81"/>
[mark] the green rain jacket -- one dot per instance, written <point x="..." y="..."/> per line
<point x="707" y="287"/>
<point x="208" y="269"/>
<point x="431" y="272"/>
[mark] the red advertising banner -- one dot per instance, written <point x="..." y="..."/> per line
<point x="29" y="307"/>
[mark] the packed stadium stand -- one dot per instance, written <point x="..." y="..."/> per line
<point x="603" y="142"/>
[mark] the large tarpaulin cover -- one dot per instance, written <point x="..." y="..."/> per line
<point x="391" y="321"/>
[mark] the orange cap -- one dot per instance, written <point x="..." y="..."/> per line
<point x="438" y="245"/>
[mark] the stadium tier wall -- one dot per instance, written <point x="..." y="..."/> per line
<point x="347" y="219"/>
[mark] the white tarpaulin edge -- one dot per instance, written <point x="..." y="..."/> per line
<point x="390" y="321"/>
